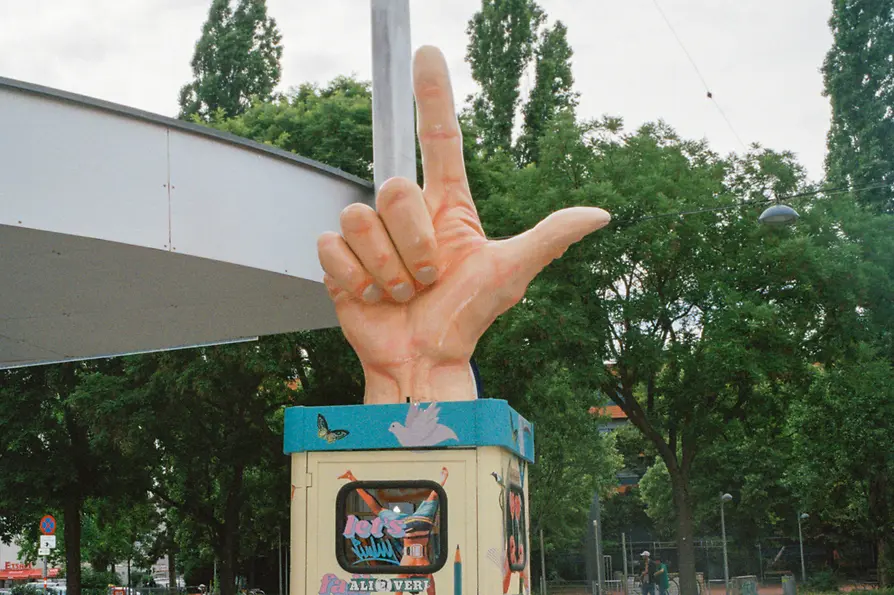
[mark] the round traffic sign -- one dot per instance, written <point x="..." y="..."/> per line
<point x="48" y="525"/>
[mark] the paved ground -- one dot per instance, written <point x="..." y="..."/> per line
<point x="770" y="589"/>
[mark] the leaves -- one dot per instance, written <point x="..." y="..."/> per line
<point x="236" y="61"/>
<point x="859" y="80"/>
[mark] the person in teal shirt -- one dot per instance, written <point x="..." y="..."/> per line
<point x="662" y="580"/>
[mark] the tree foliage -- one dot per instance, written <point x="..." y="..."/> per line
<point x="213" y="420"/>
<point x="501" y="43"/>
<point x="703" y="319"/>
<point x="842" y="448"/>
<point x="332" y="124"/>
<point x="859" y="78"/>
<point x="236" y="60"/>
<point x="552" y="92"/>
<point x="53" y="454"/>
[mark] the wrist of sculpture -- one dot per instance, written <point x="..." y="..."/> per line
<point x="419" y="383"/>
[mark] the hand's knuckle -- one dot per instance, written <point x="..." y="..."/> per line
<point x="326" y="240"/>
<point x="424" y="244"/>
<point x="393" y="191"/>
<point x="356" y="217"/>
<point x="380" y="259"/>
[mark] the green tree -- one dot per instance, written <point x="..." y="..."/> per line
<point x="859" y="79"/>
<point x="332" y="124"/>
<point x="564" y="479"/>
<point x="844" y="461"/>
<point x="236" y="60"/>
<point x="54" y="459"/>
<point x="213" y="421"/>
<point x="501" y="43"/>
<point x="749" y="461"/>
<point x="552" y="92"/>
<point x="700" y="318"/>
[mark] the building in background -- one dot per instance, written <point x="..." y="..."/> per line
<point x="13" y="572"/>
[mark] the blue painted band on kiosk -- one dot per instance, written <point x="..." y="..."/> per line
<point x="455" y="424"/>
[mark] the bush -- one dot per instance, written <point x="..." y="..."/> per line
<point x="823" y="582"/>
<point x="91" y="579"/>
<point x="26" y="590"/>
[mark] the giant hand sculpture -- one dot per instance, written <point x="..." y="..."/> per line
<point x="415" y="282"/>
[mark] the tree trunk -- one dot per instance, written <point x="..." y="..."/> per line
<point x="71" y="516"/>
<point x="882" y="562"/>
<point x="879" y="515"/>
<point x="172" y="572"/>
<point x="685" y="540"/>
<point x="230" y="534"/>
<point x="227" y="580"/>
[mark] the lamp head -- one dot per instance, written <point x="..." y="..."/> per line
<point x="779" y="215"/>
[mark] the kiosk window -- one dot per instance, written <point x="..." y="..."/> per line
<point x="391" y="527"/>
<point x="516" y="531"/>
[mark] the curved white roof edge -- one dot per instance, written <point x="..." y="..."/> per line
<point x="138" y="114"/>
<point x="123" y="231"/>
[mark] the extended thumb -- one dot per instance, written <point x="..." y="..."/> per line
<point x="530" y="252"/>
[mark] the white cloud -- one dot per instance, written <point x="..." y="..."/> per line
<point x="761" y="58"/>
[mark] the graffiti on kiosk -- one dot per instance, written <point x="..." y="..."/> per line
<point x="375" y="550"/>
<point x="517" y="533"/>
<point x="386" y="521"/>
<point x="374" y="541"/>
<point x="367" y="585"/>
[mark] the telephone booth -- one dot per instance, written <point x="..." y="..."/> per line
<point x="429" y="498"/>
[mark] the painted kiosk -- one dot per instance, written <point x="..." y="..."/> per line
<point x="428" y="498"/>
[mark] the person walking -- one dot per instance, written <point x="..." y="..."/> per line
<point x="648" y="571"/>
<point x="661" y="576"/>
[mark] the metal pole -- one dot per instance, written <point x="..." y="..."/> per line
<point x="280" y="560"/>
<point x="600" y="579"/>
<point x="725" y="560"/>
<point x="45" y="575"/>
<point x="542" y="564"/>
<point x="624" y="554"/>
<point x="801" y="542"/>
<point x="760" y="560"/>
<point x="394" y="140"/>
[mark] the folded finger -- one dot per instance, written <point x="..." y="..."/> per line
<point x="402" y="209"/>
<point x="367" y="237"/>
<point x="343" y="269"/>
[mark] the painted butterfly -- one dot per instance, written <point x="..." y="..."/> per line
<point x="326" y="434"/>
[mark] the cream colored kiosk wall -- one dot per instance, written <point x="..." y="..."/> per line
<point x="476" y="515"/>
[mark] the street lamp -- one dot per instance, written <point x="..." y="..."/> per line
<point x="779" y="215"/>
<point x="723" y="499"/>
<point x="802" y="516"/>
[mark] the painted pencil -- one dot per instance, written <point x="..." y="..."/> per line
<point x="458" y="573"/>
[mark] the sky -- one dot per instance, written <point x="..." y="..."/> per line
<point x="761" y="58"/>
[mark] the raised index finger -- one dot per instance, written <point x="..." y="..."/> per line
<point x="439" y="134"/>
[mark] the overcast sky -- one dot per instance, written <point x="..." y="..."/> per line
<point x="761" y="58"/>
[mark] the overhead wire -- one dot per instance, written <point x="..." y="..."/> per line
<point x="622" y="223"/>
<point x="748" y="203"/>
<point x="698" y="71"/>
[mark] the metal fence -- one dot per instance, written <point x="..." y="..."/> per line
<point x="768" y="560"/>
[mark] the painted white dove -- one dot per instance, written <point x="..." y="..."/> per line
<point x="422" y="428"/>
